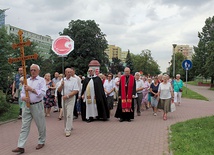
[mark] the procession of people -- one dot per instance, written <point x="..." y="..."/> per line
<point x="96" y="98"/>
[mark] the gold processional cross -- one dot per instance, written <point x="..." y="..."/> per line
<point x="22" y="58"/>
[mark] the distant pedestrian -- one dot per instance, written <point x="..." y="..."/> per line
<point x="145" y="92"/>
<point x="154" y="95"/>
<point x="49" y="99"/>
<point x="21" y="103"/>
<point x="117" y="82"/>
<point x="139" y="90"/>
<point x="165" y="92"/>
<point x="15" y="86"/>
<point x="177" y="85"/>
<point x="109" y="87"/>
<point x="55" y="80"/>
<point x="149" y="94"/>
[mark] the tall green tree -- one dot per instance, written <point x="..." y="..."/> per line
<point x="145" y="62"/>
<point x="116" y="66"/>
<point x="5" y="52"/>
<point x="179" y="58"/>
<point x="45" y="64"/>
<point x="129" y="62"/>
<point x="204" y="54"/>
<point x="89" y="44"/>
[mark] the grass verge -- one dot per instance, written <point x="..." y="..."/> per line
<point x="195" y="83"/>
<point x="187" y="93"/>
<point x="193" y="137"/>
<point x="11" y="114"/>
<point x="212" y="89"/>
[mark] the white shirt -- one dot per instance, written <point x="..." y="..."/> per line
<point x="117" y="81"/>
<point x="39" y="85"/>
<point x="55" y="80"/>
<point x="79" y="84"/>
<point x="108" y="86"/>
<point x="69" y="85"/>
<point x="139" y="84"/>
<point x="165" y="90"/>
<point x="57" y="86"/>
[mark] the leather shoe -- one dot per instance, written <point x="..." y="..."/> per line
<point x="39" y="146"/>
<point x="121" y="120"/>
<point x="19" y="150"/>
<point x="88" y="120"/>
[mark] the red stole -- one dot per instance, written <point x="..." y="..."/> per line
<point x="126" y="99"/>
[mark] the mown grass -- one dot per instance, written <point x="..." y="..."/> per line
<point x="11" y="114"/>
<point x="187" y="93"/>
<point x="193" y="137"/>
<point x="211" y="88"/>
<point x="195" y="83"/>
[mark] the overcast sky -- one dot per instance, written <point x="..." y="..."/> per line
<point x="130" y="24"/>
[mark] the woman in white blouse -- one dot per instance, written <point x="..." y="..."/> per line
<point x="165" y="92"/>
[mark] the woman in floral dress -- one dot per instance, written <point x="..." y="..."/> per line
<point x="49" y="99"/>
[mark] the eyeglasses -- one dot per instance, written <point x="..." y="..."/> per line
<point x="90" y="70"/>
<point x="32" y="70"/>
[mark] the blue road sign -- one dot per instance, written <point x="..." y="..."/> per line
<point x="187" y="64"/>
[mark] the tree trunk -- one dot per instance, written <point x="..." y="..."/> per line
<point x="212" y="79"/>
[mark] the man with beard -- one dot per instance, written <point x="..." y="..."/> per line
<point x="126" y="95"/>
<point x="94" y="103"/>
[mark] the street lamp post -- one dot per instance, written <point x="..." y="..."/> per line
<point x="169" y="67"/>
<point x="174" y="45"/>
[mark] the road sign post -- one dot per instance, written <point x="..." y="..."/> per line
<point x="62" y="46"/>
<point x="187" y="65"/>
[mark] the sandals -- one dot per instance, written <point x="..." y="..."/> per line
<point x="164" y="117"/>
<point x="60" y="118"/>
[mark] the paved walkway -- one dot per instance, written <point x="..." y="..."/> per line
<point x="146" y="135"/>
<point x="203" y="91"/>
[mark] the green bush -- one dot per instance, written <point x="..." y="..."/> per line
<point x="4" y="106"/>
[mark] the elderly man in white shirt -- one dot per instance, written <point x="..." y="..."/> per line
<point x="36" y="88"/>
<point x="139" y="90"/>
<point x="68" y="97"/>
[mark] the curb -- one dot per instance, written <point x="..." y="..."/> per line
<point x="12" y="120"/>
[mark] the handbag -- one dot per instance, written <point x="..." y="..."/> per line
<point x="173" y="107"/>
<point x="180" y="89"/>
<point x="52" y="92"/>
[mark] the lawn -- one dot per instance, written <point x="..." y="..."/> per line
<point x="193" y="137"/>
<point x="12" y="114"/>
<point x="195" y="83"/>
<point x="187" y="93"/>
